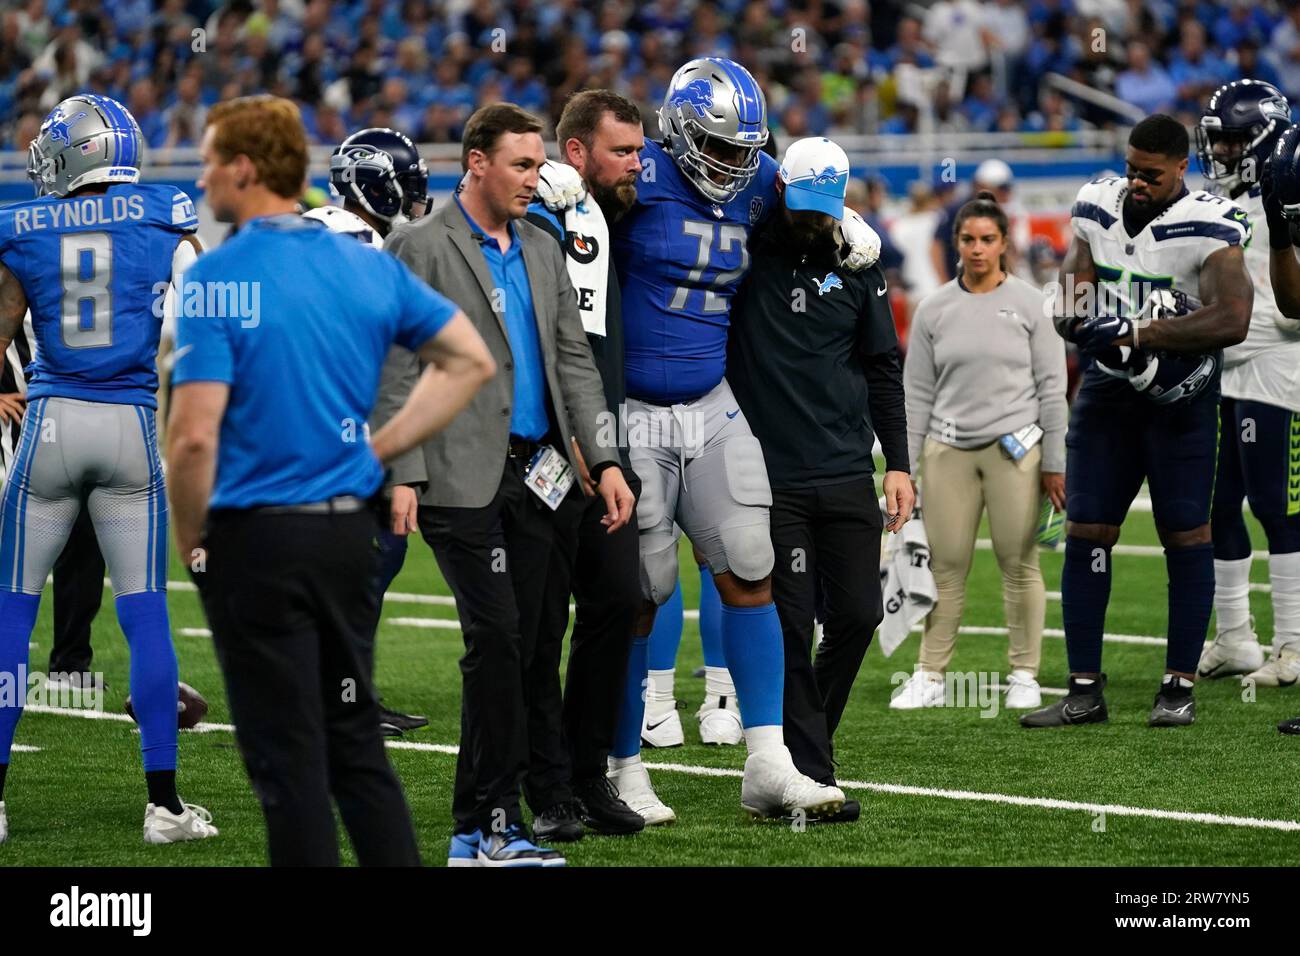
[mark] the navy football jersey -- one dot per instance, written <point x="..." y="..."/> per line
<point x="680" y="259"/>
<point x="95" y="268"/>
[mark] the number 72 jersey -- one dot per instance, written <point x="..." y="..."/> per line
<point x="1167" y="253"/>
<point x="95" y="269"/>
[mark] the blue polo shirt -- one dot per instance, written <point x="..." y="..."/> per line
<point x="297" y="320"/>
<point x="528" y="417"/>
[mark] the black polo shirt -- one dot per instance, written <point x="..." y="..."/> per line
<point x="813" y="360"/>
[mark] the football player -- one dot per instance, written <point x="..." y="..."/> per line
<point x="680" y="253"/>
<point x="1259" y="444"/>
<point x="1148" y="404"/>
<point x="383" y="182"/>
<point x="95" y="256"/>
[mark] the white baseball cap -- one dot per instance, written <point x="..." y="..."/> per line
<point x="816" y="173"/>
<point x="994" y="173"/>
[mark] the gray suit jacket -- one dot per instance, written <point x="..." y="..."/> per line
<point x="463" y="464"/>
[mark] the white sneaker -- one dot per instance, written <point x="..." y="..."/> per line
<point x="4" y="823"/>
<point x="923" y="689"/>
<point x="1282" y="669"/>
<point x="1235" y="651"/>
<point x="720" y="721"/>
<point x="1023" y="692"/>
<point x="163" y="826"/>
<point x="662" y="726"/>
<point x="633" y="785"/>
<point x="773" y="787"/>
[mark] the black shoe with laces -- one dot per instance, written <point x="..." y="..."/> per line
<point x="602" y="811"/>
<point x="1290" y="727"/>
<point x="559" y="823"/>
<point x="1174" y="706"/>
<point x="1083" y="705"/>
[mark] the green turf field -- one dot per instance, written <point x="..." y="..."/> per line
<point x="79" y="799"/>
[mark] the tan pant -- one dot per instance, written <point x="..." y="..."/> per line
<point x="957" y="485"/>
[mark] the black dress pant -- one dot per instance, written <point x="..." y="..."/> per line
<point x="290" y="599"/>
<point x="78" y="595"/>
<point x="827" y="544"/>
<point x="496" y="559"/>
<point x="601" y="571"/>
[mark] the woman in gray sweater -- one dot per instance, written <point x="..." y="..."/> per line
<point x="984" y="362"/>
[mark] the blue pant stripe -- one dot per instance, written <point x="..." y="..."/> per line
<point x="149" y="557"/>
<point x="12" y="499"/>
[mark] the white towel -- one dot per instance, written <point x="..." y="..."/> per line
<point x="906" y="583"/>
<point x="586" y="247"/>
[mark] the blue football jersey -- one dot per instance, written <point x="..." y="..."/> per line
<point x="95" y="268"/>
<point x="680" y="259"/>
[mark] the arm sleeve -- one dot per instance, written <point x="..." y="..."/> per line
<point x="204" y="346"/>
<point x="919" y="378"/>
<point x="878" y="354"/>
<point x="1047" y="352"/>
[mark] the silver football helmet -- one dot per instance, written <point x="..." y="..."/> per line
<point x="86" y="139"/>
<point x="714" y="102"/>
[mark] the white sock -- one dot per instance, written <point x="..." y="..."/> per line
<point x="1284" y="575"/>
<point x="1231" y="594"/>
<point x="618" y="763"/>
<point x="717" y="683"/>
<point x="659" y="686"/>
<point x="760" y="739"/>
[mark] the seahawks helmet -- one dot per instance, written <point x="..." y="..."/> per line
<point x="381" y="170"/>
<point x="714" y="102"/>
<point x="1246" y="114"/>
<point x="86" y="139"/>
<point x="1166" y="377"/>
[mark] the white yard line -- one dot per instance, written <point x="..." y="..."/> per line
<point x="1046" y="803"/>
<point x="25" y="749"/>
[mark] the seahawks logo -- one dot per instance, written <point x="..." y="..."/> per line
<point x="583" y="249"/>
<point x="1275" y="107"/>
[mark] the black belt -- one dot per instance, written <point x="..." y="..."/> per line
<point x="344" y="504"/>
<point x="521" y="448"/>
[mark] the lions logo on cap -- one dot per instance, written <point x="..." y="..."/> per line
<point x="827" y="175"/>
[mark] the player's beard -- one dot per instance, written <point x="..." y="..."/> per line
<point x="614" y="200"/>
<point x="812" y="242"/>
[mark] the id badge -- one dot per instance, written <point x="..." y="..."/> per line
<point x="549" y="476"/>
<point x="1017" y="444"/>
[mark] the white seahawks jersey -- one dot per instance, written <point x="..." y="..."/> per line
<point x="1167" y="253"/>
<point x="338" y="219"/>
<point x="1266" y="366"/>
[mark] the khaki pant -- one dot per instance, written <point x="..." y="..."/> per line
<point x="958" y="484"/>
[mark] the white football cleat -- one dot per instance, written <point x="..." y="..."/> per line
<point x="923" y="689"/>
<point x="774" y="787"/>
<point x="662" y="725"/>
<point x="720" y="724"/>
<point x="162" y="826"/>
<point x="4" y="823"/>
<point x="1023" y="692"/>
<point x="1235" y="651"/>
<point x="633" y="785"/>
<point x="1282" y="669"/>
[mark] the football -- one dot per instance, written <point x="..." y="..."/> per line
<point x="191" y="707"/>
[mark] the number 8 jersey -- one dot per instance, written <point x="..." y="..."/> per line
<point x="680" y="259"/>
<point x="95" y="269"/>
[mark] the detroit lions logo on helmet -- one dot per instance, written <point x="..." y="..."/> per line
<point x="60" y="129"/>
<point x="697" y="93"/>
<point x="832" y="281"/>
<point x="826" y="176"/>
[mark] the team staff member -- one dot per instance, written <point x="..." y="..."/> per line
<point x="491" y="534"/>
<point x="600" y="138"/>
<point x="287" y="556"/>
<point x="983" y="362"/>
<point x="812" y="389"/>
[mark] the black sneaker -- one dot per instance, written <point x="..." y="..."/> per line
<point x="1291" y="727"/>
<point x="602" y="811"/>
<point x="1174" y="706"/>
<point x="1083" y="705"/>
<point x="559" y="823"/>
<point x="389" y="730"/>
<point x="402" y="722"/>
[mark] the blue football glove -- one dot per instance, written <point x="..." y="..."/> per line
<point x="1096" y="336"/>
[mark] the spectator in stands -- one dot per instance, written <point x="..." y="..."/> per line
<point x="913" y="233"/>
<point x="867" y="198"/>
<point x="1284" y="50"/>
<point x="982" y="104"/>
<point x="954" y="28"/>
<point x="1145" y="84"/>
<point x="1195" y="70"/>
<point x="1253" y="66"/>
